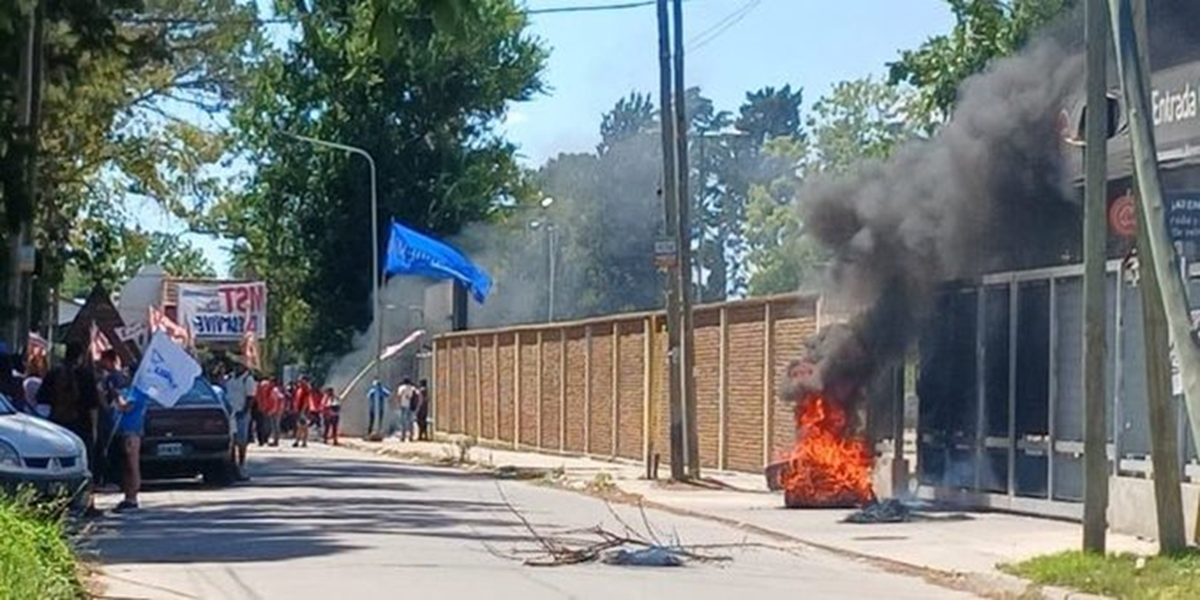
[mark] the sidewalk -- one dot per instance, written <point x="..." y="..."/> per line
<point x="948" y="543"/>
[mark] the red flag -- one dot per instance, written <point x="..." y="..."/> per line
<point x="99" y="342"/>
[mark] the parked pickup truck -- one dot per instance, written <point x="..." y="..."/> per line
<point x="194" y="437"/>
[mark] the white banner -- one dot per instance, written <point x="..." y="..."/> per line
<point x="167" y="371"/>
<point x="223" y="311"/>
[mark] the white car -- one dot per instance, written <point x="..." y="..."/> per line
<point x="38" y="454"/>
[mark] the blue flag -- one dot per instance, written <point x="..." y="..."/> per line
<point x="411" y="253"/>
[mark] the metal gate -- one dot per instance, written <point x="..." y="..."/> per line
<point x="1000" y="393"/>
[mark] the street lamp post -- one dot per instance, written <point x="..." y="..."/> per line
<point x="551" y="234"/>
<point x="375" y="278"/>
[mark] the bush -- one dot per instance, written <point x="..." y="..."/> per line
<point x="36" y="560"/>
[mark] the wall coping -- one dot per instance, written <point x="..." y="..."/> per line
<point x="627" y="317"/>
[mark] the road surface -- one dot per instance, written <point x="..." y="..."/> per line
<point x="332" y="524"/>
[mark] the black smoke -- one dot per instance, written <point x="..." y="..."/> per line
<point x="988" y="191"/>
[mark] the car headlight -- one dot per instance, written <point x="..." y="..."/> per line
<point x="9" y="457"/>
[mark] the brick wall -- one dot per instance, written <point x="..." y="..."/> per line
<point x="599" y="387"/>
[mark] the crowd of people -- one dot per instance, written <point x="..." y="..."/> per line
<point x="90" y="398"/>
<point x="408" y="417"/>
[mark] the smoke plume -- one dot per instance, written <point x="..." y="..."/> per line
<point x="987" y="191"/>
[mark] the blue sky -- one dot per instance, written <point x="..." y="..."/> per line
<point x="598" y="57"/>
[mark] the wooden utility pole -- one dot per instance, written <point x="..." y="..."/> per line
<point x="1095" y="236"/>
<point x="1163" y="310"/>
<point x="29" y="98"/>
<point x="683" y="239"/>
<point x="670" y="196"/>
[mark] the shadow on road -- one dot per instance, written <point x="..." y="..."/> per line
<point x="295" y="507"/>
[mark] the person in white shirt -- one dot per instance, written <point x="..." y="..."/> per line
<point x="239" y="391"/>
<point x="406" y="405"/>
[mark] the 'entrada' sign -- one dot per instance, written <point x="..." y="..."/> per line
<point x="223" y="311"/>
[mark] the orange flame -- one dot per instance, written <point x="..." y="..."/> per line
<point x="828" y="467"/>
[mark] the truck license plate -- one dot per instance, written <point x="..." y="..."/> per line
<point x="172" y="449"/>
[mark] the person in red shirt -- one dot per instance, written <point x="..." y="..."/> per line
<point x="306" y="401"/>
<point x="270" y="400"/>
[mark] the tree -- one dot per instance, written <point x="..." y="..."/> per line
<point x="111" y="256"/>
<point x="427" y="113"/>
<point x="736" y="162"/>
<point x="633" y="115"/>
<point x="983" y="30"/>
<point x="124" y="83"/>
<point x="609" y="211"/>
<point x="858" y="120"/>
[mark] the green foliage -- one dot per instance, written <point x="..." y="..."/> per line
<point x="608" y="212"/>
<point x="1123" y="576"/>
<point x="984" y="30"/>
<point x="129" y="85"/>
<point x="858" y="120"/>
<point x="110" y="256"/>
<point x="427" y="114"/>
<point x="36" y="560"/>
<point x="729" y="164"/>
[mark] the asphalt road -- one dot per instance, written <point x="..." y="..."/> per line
<point x="332" y="524"/>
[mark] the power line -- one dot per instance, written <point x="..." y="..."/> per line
<point x="720" y="27"/>
<point x="155" y="20"/>
<point x="590" y="8"/>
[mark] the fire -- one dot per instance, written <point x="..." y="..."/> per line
<point x="829" y="467"/>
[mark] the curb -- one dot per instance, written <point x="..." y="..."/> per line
<point x="1060" y="593"/>
<point x="991" y="585"/>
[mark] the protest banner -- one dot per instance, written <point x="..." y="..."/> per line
<point x="223" y="311"/>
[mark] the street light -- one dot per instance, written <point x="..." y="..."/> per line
<point x="546" y="203"/>
<point x="378" y="308"/>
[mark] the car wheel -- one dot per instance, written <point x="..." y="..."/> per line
<point x="222" y="474"/>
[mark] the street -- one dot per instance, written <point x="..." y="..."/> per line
<point x="332" y="523"/>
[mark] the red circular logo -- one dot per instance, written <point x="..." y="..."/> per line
<point x="1122" y="216"/>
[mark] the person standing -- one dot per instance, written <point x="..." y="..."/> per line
<point x="131" y="429"/>
<point x="262" y="404"/>
<point x="377" y="396"/>
<point x="35" y="372"/>
<point x="239" y="392"/>
<point x="423" y="410"/>
<point x="273" y="409"/>
<point x="112" y="380"/>
<point x="333" y="409"/>
<point x="305" y="401"/>
<point x="406" y="396"/>
<point x="70" y="391"/>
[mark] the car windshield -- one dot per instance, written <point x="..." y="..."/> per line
<point x="6" y="407"/>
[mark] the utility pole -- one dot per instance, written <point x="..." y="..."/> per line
<point x="29" y="95"/>
<point x="670" y="198"/>
<point x="684" y="242"/>
<point x="1095" y="236"/>
<point x="1162" y="309"/>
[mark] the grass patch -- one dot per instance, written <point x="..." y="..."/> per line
<point x="36" y="560"/>
<point x="1124" y="576"/>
